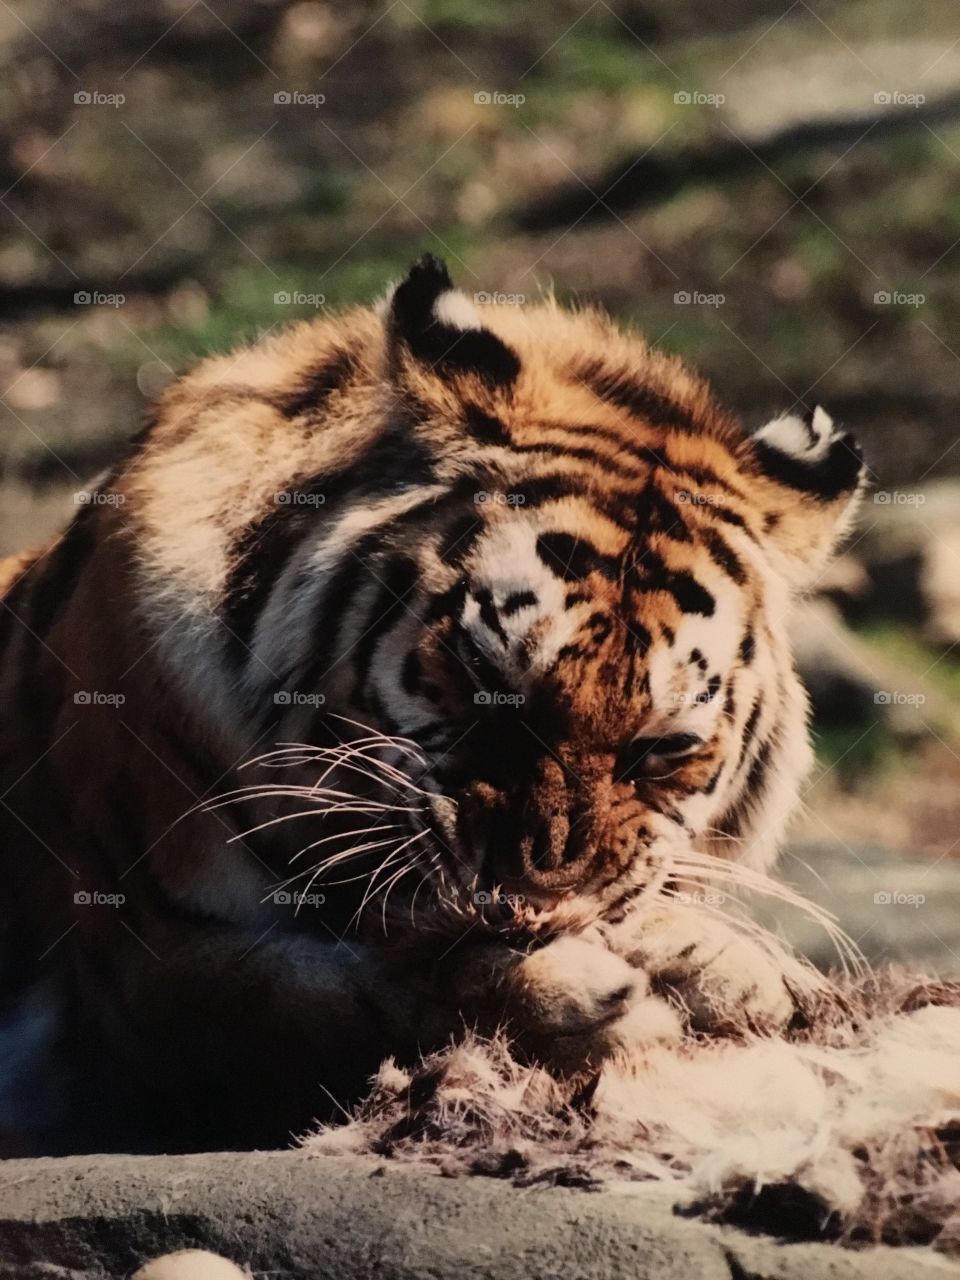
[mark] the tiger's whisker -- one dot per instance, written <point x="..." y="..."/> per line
<point x="347" y="835"/>
<point x="372" y="887"/>
<point x="756" y="882"/>
<point x="390" y="858"/>
<point x="333" y="860"/>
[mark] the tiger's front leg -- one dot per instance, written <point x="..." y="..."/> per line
<point x="568" y="1004"/>
<point x="196" y="1039"/>
<point x="240" y="1040"/>
<point x="722" y="980"/>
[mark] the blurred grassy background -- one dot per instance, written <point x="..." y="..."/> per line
<point x="190" y="166"/>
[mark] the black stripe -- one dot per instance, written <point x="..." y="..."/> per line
<point x="449" y="603"/>
<point x="399" y="581"/>
<point x="638" y="639"/>
<point x="263" y="550"/>
<point x="315" y="387"/>
<point x="657" y="514"/>
<point x="644" y="453"/>
<point x="756" y="778"/>
<point x="550" y="488"/>
<point x="570" y="651"/>
<point x="732" y="518"/>
<point x="723" y="555"/>
<point x="582" y="454"/>
<point x="485" y="672"/>
<point x="749" y="729"/>
<point x="594" y="430"/>
<point x="336" y="598"/>
<point x="457" y="541"/>
<point x="484" y="426"/>
<point x="618" y="387"/>
<point x="707" y="477"/>
<point x="411" y="673"/>
<point x="600" y="624"/>
<point x="259" y="557"/>
<point x="732" y="821"/>
<point x="649" y="573"/>
<point x="518" y="600"/>
<point x="430" y="730"/>
<point x="573" y="559"/>
<point x="488" y="614"/>
<point x="748" y="647"/>
<point x="711" y="784"/>
<point x="660" y="457"/>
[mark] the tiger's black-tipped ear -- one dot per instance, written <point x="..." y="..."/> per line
<point x="812" y="474"/>
<point x="439" y="326"/>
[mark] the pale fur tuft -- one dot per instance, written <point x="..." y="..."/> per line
<point x="847" y="1127"/>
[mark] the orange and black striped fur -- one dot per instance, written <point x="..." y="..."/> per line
<point x="394" y="681"/>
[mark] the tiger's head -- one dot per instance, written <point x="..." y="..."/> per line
<point x="546" y="565"/>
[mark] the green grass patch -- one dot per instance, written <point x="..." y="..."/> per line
<point x="857" y="751"/>
<point x="917" y="659"/>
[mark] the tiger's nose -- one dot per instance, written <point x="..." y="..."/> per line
<point x="553" y="856"/>
<point x="557" y="842"/>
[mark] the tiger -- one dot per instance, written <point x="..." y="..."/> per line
<point x="395" y="681"/>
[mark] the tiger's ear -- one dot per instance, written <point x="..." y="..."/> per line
<point x="810" y="476"/>
<point x="437" y="327"/>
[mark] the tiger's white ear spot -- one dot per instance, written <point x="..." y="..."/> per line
<point x="805" y="441"/>
<point x="455" y="309"/>
<point x="822" y="423"/>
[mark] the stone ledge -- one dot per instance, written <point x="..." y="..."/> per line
<point x="351" y="1218"/>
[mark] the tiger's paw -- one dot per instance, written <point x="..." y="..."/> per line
<point x="574" y="1002"/>
<point x="721" y="982"/>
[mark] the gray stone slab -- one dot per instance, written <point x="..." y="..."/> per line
<point x="325" y="1218"/>
<point x="897" y="909"/>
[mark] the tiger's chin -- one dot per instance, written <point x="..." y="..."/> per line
<point x="512" y="910"/>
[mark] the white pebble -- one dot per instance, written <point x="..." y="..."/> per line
<point x="190" y="1264"/>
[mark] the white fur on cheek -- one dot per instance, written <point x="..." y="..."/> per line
<point x="677" y="686"/>
<point x="508" y="565"/>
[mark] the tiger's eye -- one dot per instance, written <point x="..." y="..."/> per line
<point x="676" y="744"/>
<point x="644" y="755"/>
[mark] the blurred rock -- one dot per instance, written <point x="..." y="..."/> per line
<point x="841" y="683"/>
<point x="846" y="582"/>
<point x="911" y="553"/>
<point x="848" y="682"/>
<point x="894" y="908"/>
<point x="311" y="32"/>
